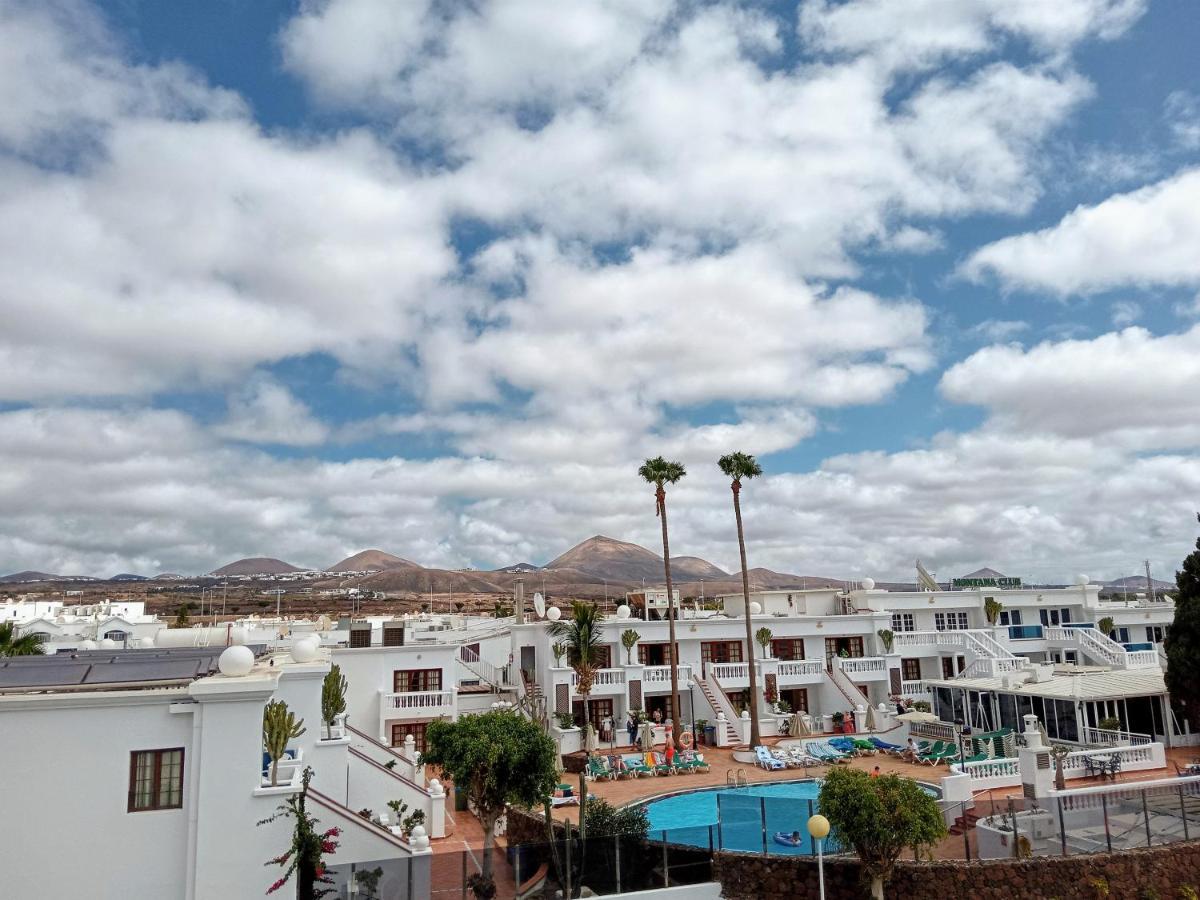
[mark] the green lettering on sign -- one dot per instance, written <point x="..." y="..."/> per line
<point x="986" y="582"/>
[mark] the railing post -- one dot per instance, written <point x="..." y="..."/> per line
<point x="1107" y="833"/>
<point x="720" y="837"/>
<point x="617" y="847"/>
<point x="762" y="806"/>
<point x="1062" y="827"/>
<point x="1183" y="814"/>
<point x="666" y="863"/>
<point x="1146" y="813"/>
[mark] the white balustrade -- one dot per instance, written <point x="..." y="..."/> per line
<point x="602" y="678"/>
<point x="662" y="674"/>
<point x="729" y="671"/>
<point x="1105" y="737"/>
<point x="418" y="700"/>
<point x="800" y="668"/>
<point x="863" y="665"/>
<point x="912" y="688"/>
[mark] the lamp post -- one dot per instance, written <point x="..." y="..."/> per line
<point x="818" y="829"/>
<point x="692" y="713"/>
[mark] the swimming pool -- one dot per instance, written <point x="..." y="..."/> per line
<point x="742" y="818"/>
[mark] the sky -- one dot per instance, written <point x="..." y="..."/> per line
<point x="297" y="279"/>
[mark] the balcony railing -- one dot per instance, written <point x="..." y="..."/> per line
<point x="602" y="678"/>
<point x="912" y="688"/>
<point x="729" y="671"/>
<point x="800" y="667"/>
<point x="662" y="674"/>
<point x="1104" y="737"/>
<point x="863" y="665"/>
<point x="424" y="701"/>
<point x="1025" y="632"/>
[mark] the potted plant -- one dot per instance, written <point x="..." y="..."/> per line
<point x="763" y="637"/>
<point x="701" y="735"/>
<point x="886" y="638"/>
<point x="838" y="719"/>
<point x="991" y="609"/>
<point x="1106" y="626"/>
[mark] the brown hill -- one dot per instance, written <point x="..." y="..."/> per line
<point x="371" y="559"/>
<point x="416" y="580"/>
<point x="607" y="558"/>
<point x="257" y="565"/>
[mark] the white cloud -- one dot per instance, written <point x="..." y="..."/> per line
<point x="1145" y="237"/>
<point x="1129" y="387"/>
<point x="1125" y="312"/>
<point x="262" y="411"/>
<point x="920" y="33"/>
<point x="1181" y="110"/>
<point x="998" y="330"/>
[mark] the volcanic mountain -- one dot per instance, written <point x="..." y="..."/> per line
<point x="24" y="577"/>
<point x="257" y="565"/>
<point x="372" y="560"/>
<point x="605" y="557"/>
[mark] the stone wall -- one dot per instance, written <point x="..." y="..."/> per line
<point x="1157" y="872"/>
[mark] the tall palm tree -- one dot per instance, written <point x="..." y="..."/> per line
<point x="738" y="466"/>
<point x="25" y="645"/>
<point x="660" y="472"/>
<point x="580" y="637"/>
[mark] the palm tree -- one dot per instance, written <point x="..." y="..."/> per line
<point x="579" y="636"/>
<point x="660" y="472"/>
<point x="738" y="466"/>
<point x="25" y="645"/>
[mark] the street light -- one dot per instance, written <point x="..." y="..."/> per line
<point x="818" y="829"/>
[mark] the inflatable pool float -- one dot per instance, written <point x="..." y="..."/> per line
<point x="785" y="838"/>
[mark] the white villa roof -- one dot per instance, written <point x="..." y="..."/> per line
<point x="1105" y="685"/>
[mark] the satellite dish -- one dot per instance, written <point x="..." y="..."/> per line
<point x="1082" y="579"/>
<point x="539" y="604"/>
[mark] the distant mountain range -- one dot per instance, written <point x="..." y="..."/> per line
<point x="597" y="567"/>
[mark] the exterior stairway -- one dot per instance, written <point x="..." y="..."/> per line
<point x="847" y="688"/>
<point x="720" y="703"/>
<point x="1101" y="648"/>
<point x="495" y="677"/>
<point x="964" y="822"/>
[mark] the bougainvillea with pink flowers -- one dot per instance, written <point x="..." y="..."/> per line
<point x="305" y="858"/>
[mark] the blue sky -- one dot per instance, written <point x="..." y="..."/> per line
<point x="305" y="278"/>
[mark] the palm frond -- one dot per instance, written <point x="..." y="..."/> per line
<point x="738" y="465"/>
<point x="660" y="471"/>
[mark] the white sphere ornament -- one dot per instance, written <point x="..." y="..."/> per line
<point x="145" y="643"/>
<point x="107" y="643"/>
<point x="304" y="651"/>
<point x="418" y="839"/>
<point x="236" y="661"/>
<point x="755" y="608"/>
<point x="868" y="584"/>
<point x="554" y="614"/>
<point x="623" y="611"/>
<point x="1082" y="579"/>
<point x="87" y="645"/>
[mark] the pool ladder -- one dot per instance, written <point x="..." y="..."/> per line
<point x="737" y="779"/>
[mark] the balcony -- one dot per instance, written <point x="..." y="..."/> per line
<point x="916" y="689"/>
<point x="1025" y="633"/>
<point x="731" y="675"/>
<point x="605" y="682"/>
<point x="800" y="671"/>
<point x="416" y="705"/>
<point x="658" y="678"/>
<point x="864" y="668"/>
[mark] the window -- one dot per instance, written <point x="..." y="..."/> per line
<point x="903" y="622"/>
<point x="1065" y="615"/>
<point x="1122" y="635"/>
<point x="155" y="779"/>
<point x="1010" y="617"/>
<point x="951" y="621"/>
<point x="721" y="651"/>
<point x="1155" y="633"/>
<point x="118" y="636"/>
<point x="405" y="681"/>
<point x="788" y="648"/>
<point x="360" y="637"/>
<point x="848" y="646"/>
<point x="417" y="729"/>
<point x="910" y="669"/>
<point x="653" y="654"/>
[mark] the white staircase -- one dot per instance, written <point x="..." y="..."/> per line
<point x="496" y="677"/>
<point x="847" y="688"/>
<point x="989" y="657"/>
<point x="720" y="704"/>
<point x="1101" y="648"/>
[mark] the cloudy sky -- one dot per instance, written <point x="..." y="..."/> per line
<point x="299" y="278"/>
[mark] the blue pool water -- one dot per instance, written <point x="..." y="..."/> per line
<point x="738" y="818"/>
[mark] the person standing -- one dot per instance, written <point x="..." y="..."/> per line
<point x="631" y="728"/>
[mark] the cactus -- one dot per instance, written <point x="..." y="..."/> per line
<point x="280" y="725"/>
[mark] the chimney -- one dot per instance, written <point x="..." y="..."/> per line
<point x="520" y="601"/>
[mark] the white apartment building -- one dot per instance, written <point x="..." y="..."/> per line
<point x="160" y="753"/>
<point x="826" y="654"/>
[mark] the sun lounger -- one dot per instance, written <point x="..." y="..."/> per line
<point x="636" y="765"/>
<point x="692" y="761"/>
<point x="825" y="753"/>
<point x="766" y="760"/>
<point x="894" y="749"/>
<point x="661" y="766"/>
<point x="798" y="756"/>
<point x="936" y="753"/>
<point x="785" y="758"/>
<point x="616" y="767"/>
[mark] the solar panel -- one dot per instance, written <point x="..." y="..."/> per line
<point x="151" y="670"/>
<point x="41" y="676"/>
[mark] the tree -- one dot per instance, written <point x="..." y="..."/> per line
<point x="629" y="638"/>
<point x="498" y="758"/>
<point x="1182" y="641"/>
<point x="1106" y="626"/>
<point x="280" y="725"/>
<point x="305" y="856"/>
<point x="763" y="637"/>
<point x="333" y="698"/>
<point x="991" y="609"/>
<point x="738" y="466"/>
<point x="25" y="645"/>
<point x="580" y="637"/>
<point x="879" y="818"/>
<point x="181" y="617"/>
<point x="660" y="472"/>
<point x="886" y="637"/>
